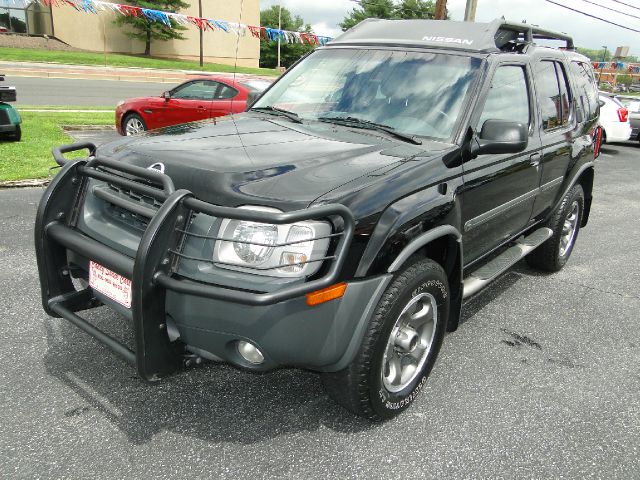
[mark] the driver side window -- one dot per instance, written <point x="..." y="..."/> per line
<point x="508" y="97"/>
<point x="198" y="90"/>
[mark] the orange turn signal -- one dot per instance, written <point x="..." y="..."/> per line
<point x="326" y="294"/>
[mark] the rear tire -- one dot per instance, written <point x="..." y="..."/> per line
<point x="400" y="345"/>
<point x="133" y="124"/>
<point x="553" y="254"/>
<point x="17" y="135"/>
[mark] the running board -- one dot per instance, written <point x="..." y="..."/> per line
<point x="483" y="276"/>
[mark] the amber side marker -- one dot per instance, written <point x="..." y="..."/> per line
<point x="326" y="294"/>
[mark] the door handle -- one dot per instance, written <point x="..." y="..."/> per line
<point x="200" y="107"/>
<point x="535" y="159"/>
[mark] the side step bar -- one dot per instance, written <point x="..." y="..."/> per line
<point x="483" y="276"/>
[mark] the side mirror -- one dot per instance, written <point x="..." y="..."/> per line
<point x="166" y="96"/>
<point x="500" y="136"/>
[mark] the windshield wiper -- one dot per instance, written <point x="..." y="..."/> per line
<point x="362" y="123"/>
<point x="294" y="117"/>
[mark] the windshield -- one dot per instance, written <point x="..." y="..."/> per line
<point x="413" y="93"/>
<point x="256" y="85"/>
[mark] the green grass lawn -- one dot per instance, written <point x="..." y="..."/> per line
<point x="22" y="108"/>
<point x="31" y="157"/>
<point x="118" y="60"/>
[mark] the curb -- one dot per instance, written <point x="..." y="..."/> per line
<point x="43" y="182"/>
<point x="88" y="128"/>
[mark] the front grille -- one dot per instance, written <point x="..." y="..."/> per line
<point x="125" y="215"/>
<point x="4" y="117"/>
<point x="145" y="200"/>
<point x="133" y="220"/>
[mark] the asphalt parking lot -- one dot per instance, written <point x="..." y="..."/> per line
<point x="541" y="380"/>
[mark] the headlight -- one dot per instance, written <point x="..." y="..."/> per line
<point x="120" y="103"/>
<point x="273" y="250"/>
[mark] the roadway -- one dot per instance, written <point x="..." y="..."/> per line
<point x="540" y="381"/>
<point x="64" y="91"/>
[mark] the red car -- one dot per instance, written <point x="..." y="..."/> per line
<point x="197" y="99"/>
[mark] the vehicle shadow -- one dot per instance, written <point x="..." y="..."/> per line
<point x="213" y="402"/>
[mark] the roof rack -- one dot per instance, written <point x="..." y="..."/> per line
<point x="495" y="36"/>
<point x="532" y="33"/>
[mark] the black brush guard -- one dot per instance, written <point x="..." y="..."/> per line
<point x="153" y="270"/>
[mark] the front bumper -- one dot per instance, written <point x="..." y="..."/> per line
<point x="118" y="120"/>
<point x="208" y="317"/>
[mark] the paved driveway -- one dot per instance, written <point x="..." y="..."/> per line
<point x="541" y="380"/>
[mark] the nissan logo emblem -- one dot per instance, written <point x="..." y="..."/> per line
<point x="157" y="166"/>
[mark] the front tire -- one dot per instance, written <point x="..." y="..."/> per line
<point x="133" y="124"/>
<point x="553" y="254"/>
<point x="400" y="346"/>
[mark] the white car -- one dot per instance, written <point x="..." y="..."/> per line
<point x="614" y="119"/>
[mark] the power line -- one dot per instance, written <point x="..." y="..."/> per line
<point x="593" y="16"/>
<point x="626" y="4"/>
<point x="612" y="9"/>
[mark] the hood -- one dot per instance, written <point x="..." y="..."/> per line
<point x="262" y="160"/>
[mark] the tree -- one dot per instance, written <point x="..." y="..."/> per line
<point x="624" y="79"/>
<point x="418" y="9"/>
<point x="405" y="9"/>
<point x="289" y="52"/>
<point x="369" y="9"/>
<point x="147" y="30"/>
<point x="595" y="55"/>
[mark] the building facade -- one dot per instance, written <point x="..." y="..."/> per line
<point x="97" y="32"/>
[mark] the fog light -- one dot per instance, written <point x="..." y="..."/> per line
<point x="250" y="352"/>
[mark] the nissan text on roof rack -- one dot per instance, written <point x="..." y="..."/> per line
<point x="339" y="224"/>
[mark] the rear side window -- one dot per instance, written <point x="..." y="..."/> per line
<point x="225" y="92"/>
<point x="586" y="91"/>
<point x="565" y="93"/>
<point x="554" y="94"/>
<point x="508" y="97"/>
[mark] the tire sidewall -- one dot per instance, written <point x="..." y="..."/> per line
<point x="388" y="404"/>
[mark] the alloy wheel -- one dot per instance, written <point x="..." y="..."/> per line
<point x="134" y="126"/>
<point x="569" y="229"/>
<point x="410" y="342"/>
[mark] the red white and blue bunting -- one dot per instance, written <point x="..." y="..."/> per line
<point x="240" y="29"/>
<point x="620" y="66"/>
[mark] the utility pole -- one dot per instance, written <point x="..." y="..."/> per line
<point x="201" y="34"/>
<point x="604" y="57"/>
<point x="441" y="10"/>
<point x="470" y="11"/>
<point x="279" y="28"/>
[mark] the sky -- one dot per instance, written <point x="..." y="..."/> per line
<point x="325" y="15"/>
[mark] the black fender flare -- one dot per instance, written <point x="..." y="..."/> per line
<point x="455" y="276"/>
<point x="422" y="240"/>
<point x="568" y="185"/>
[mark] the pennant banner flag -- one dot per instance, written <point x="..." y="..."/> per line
<point x="240" y="29"/>
<point x="627" y="67"/>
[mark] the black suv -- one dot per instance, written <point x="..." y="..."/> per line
<point x="339" y="224"/>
